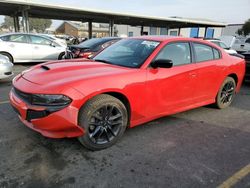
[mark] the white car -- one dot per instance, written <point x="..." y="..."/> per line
<point x="23" y="47"/>
<point x="6" y="67"/>
<point x="241" y="45"/>
<point x="55" y="39"/>
<point x="223" y="45"/>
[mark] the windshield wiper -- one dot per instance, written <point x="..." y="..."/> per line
<point x="103" y="61"/>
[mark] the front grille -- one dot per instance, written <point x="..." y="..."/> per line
<point x="24" y="96"/>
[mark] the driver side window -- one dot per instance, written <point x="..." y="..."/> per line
<point x="179" y="53"/>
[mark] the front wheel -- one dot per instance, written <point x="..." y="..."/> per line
<point x="104" y="119"/>
<point x="226" y="93"/>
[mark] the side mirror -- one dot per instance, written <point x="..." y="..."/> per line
<point x="162" y="63"/>
<point x="52" y="44"/>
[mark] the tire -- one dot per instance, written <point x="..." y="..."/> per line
<point x="226" y="93"/>
<point x="104" y="119"/>
<point x="8" y="56"/>
<point x="61" y="56"/>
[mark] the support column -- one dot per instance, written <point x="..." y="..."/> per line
<point x="142" y="30"/>
<point x="90" y="29"/>
<point x="16" y="23"/>
<point x="25" y="21"/>
<point x="111" y="28"/>
<point x="179" y="31"/>
<point x="205" y="34"/>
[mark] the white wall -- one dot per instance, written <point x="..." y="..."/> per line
<point x="185" y="32"/>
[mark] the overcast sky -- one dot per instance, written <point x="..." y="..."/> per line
<point x="229" y="11"/>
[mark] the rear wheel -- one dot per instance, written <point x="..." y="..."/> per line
<point x="226" y="93"/>
<point x="104" y="119"/>
<point x="8" y="56"/>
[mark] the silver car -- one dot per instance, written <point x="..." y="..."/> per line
<point x="23" y="47"/>
<point x="6" y="67"/>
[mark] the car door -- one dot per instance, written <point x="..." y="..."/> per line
<point x="18" y="46"/>
<point x="44" y="49"/>
<point x="172" y="89"/>
<point x="209" y="71"/>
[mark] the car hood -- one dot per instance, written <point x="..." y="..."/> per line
<point x="62" y="72"/>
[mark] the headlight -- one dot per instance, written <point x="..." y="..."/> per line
<point x="50" y="100"/>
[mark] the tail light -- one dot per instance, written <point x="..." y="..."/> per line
<point x="85" y="54"/>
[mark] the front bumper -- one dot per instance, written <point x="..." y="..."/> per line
<point x="6" y="70"/>
<point x="59" y="124"/>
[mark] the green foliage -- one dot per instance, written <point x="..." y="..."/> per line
<point x="35" y="23"/>
<point x="39" y="24"/>
<point x="8" y="22"/>
<point x="245" y="30"/>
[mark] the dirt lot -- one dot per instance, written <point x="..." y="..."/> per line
<point x="199" y="148"/>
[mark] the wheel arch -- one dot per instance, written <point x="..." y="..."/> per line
<point x="8" y="54"/>
<point x="235" y="77"/>
<point x="119" y="95"/>
<point x="123" y="99"/>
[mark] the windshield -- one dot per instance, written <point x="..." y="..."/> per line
<point x="127" y="52"/>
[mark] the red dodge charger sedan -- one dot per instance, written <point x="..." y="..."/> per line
<point x="129" y="83"/>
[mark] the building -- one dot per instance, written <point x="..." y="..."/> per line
<point x="211" y="32"/>
<point x="79" y="29"/>
<point x="232" y="29"/>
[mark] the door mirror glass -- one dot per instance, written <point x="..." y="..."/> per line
<point x="162" y="63"/>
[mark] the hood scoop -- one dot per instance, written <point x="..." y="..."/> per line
<point x="45" y="67"/>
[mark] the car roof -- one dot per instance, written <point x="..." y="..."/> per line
<point x="162" y="38"/>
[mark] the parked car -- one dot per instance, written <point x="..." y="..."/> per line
<point x="92" y="46"/>
<point x="22" y="47"/>
<point x="241" y="44"/>
<point x="6" y="67"/>
<point x="55" y="39"/>
<point x="247" y="58"/>
<point x="221" y="44"/>
<point x="129" y="83"/>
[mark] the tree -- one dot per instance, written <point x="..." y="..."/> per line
<point x="245" y="30"/>
<point x="37" y="24"/>
<point x="8" y="22"/>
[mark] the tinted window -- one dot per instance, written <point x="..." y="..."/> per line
<point x="17" y="38"/>
<point x="92" y="43"/>
<point x="179" y="53"/>
<point x="127" y="52"/>
<point x="39" y="40"/>
<point x="248" y="40"/>
<point x="203" y="52"/>
<point x="216" y="54"/>
<point x="5" y="38"/>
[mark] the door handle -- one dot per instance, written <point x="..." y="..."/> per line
<point x="192" y="74"/>
<point x="12" y="45"/>
<point x="36" y="47"/>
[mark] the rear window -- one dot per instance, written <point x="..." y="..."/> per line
<point x="91" y="43"/>
<point x="203" y="52"/>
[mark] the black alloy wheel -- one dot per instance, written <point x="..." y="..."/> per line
<point x="104" y="119"/>
<point x="226" y="93"/>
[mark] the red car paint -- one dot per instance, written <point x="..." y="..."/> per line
<point x="151" y="93"/>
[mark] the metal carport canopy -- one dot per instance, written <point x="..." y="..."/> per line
<point x="51" y="11"/>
